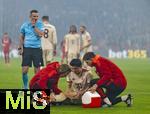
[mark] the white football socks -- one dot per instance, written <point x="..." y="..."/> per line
<point x="124" y="98"/>
<point x="107" y="101"/>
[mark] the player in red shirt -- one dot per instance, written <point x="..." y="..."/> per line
<point x="48" y="77"/>
<point x="6" y="42"/>
<point x="111" y="79"/>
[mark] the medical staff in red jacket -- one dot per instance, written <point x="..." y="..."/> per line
<point x="48" y="77"/>
<point x="111" y="79"/>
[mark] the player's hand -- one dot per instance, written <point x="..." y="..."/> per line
<point x="93" y="88"/>
<point x="33" y="21"/>
<point x="66" y="53"/>
<point x="77" y="96"/>
<point x="78" y="55"/>
<point x="3" y="45"/>
<point x="20" y="50"/>
<point x="81" y="48"/>
<point x="52" y="97"/>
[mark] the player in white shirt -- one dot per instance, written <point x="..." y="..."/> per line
<point x="86" y="45"/>
<point x="48" y="41"/>
<point x="78" y="80"/>
<point x="72" y="44"/>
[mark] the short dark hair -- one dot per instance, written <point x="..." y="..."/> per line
<point x="33" y="11"/>
<point x="76" y="63"/>
<point x="83" y="26"/>
<point x="45" y="18"/>
<point x="88" y="56"/>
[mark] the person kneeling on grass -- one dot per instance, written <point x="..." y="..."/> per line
<point x="111" y="79"/>
<point x="47" y="78"/>
<point x="78" y="81"/>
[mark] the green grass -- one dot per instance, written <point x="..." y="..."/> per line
<point x="137" y="72"/>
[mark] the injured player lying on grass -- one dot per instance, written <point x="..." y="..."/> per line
<point x="78" y="81"/>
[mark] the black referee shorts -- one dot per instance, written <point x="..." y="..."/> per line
<point x="32" y="55"/>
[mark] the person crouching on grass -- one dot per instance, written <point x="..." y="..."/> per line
<point x="111" y="79"/>
<point x="47" y="78"/>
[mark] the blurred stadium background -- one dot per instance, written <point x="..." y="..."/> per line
<point x="119" y="29"/>
<point x="115" y="26"/>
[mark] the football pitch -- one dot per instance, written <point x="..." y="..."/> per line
<point x="137" y="72"/>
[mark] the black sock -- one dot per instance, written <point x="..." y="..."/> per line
<point x="116" y="101"/>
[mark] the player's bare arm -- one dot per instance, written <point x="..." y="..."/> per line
<point x="90" y="43"/>
<point x="69" y="84"/>
<point x="21" y="41"/>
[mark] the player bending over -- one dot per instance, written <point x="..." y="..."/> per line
<point x="47" y="78"/>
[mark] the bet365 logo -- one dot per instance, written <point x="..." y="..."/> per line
<point x="131" y="54"/>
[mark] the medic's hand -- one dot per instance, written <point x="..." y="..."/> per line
<point x="93" y="88"/>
